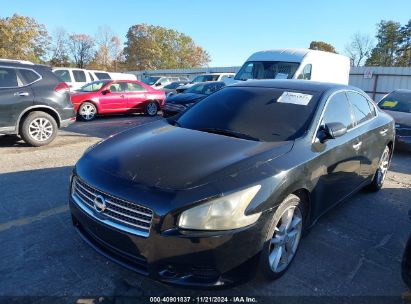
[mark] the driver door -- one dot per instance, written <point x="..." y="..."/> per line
<point x="115" y="101"/>
<point x="339" y="159"/>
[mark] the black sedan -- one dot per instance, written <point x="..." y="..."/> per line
<point x="171" y="88"/>
<point x="175" y="104"/>
<point x="398" y="105"/>
<point x="228" y="187"/>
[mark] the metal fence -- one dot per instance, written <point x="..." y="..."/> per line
<point x="376" y="81"/>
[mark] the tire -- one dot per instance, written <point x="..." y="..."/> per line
<point x="87" y="111"/>
<point x="381" y="173"/>
<point x="38" y="129"/>
<point x="152" y="108"/>
<point x="283" y="238"/>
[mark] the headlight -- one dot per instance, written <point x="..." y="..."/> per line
<point x="224" y="213"/>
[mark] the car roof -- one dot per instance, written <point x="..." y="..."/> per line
<point x="294" y="84"/>
<point x="401" y="91"/>
<point x="22" y="65"/>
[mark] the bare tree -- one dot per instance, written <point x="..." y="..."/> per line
<point x="109" y="51"/>
<point x="59" y="48"/>
<point x="359" y="49"/>
<point x="81" y="48"/>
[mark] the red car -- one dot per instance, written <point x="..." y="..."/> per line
<point x="116" y="96"/>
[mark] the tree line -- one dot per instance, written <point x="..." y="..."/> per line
<point x="393" y="46"/>
<point x="149" y="47"/>
<point x="146" y="47"/>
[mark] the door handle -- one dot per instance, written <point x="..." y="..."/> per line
<point x="21" y="94"/>
<point x="122" y="96"/>
<point x="384" y="132"/>
<point x="357" y="146"/>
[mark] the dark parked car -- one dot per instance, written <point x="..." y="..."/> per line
<point x="229" y="186"/>
<point x="406" y="261"/>
<point x="175" y="104"/>
<point x="398" y="105"/>
<point x="33" y="102"/>
<point x="171" y="88"/>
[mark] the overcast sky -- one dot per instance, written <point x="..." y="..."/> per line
<point x="229" y="30"/>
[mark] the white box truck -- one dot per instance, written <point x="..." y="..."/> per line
<point x="296" y="64"/>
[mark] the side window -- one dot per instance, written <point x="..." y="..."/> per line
<point x="360" y="107"/>
<point x="8" y="78"/>
<point x="338" y="110"/>
<point x="28" y="76"/>
<point x="102" y="76"/>
<point x="63" y="75"/>
<point x="306" y="72"/>
<point x="79" y="76"/>
<point x="134" y="87"/>
<point x="116" y="87"/>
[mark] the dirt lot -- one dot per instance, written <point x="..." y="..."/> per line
<point x="354" y="250"/>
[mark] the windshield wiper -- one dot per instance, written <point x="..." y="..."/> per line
<point x="229" y="133"/>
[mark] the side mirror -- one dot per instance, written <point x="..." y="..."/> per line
<point x="107" y="91"/>
<point x="158" y="84"/>
<point x="331" y="130"/>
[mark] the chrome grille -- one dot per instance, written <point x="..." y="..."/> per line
<point x="116" y="210"/>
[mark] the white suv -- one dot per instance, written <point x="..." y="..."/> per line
<point x="75" y="78"/>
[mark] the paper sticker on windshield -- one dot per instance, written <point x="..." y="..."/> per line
<point x="281" y="76"/>
<point x="389" y="104"/>
<point x="295" y="98"/>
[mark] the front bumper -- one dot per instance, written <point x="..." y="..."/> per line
<point x="198" y="259"/>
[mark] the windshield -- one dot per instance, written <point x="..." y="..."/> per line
<point x="173" y="85"/>
<point x="93" y="86"/>
<point x="396" y="101"/>
<point x="151" y="80"/>
<point x="265" y="114"/>
<point x="205" y="78"/>
<point x="205" y="88"/>
<point x="267" y="70"/>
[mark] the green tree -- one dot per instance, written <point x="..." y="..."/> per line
<point x="322" y="46"/>
<point x="404" y="52"/>
<point x="151" y="47"/>
<point x="23" y="38"/>
<point x="389" y="39"/>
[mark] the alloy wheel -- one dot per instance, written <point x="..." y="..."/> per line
<point x="287" y="235"/>
<point x="152" y="109"/>
<point x="383" y="166"/>
<point x="41" y="129"/>
<point x="88" y="111"/>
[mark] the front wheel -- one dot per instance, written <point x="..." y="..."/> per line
<point x="283" y="237"/>
<point x="87" y="111"/>
<point x="152" y="108"/>
<point x="381" y="172"/>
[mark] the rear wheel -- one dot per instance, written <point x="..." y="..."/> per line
<point x="284" y="237"/>
<point x="381" y="172"/>
<point x="87" y="111"/>
<point x="38" y="129"/>
<point x="152" y="108"/>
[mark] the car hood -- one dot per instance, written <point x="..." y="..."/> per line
<point x="163" y="156"/>
<point x="401" y="118"/>
<point x="184" y="98"/>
